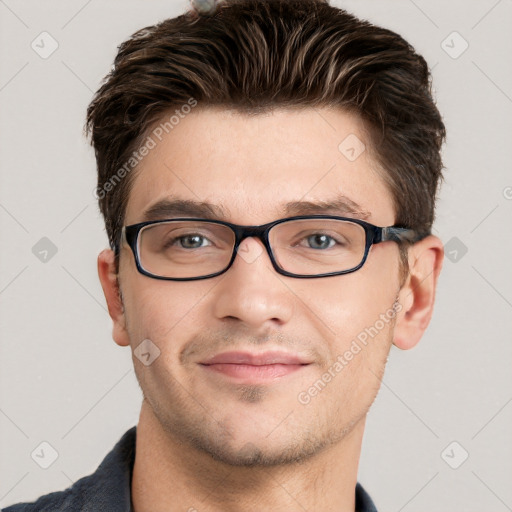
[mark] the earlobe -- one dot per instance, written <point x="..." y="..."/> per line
<point x="417" y="296"/>
<point x="109" y="283"/>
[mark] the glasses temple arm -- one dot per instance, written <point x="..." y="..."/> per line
<point x="397" y="234"/>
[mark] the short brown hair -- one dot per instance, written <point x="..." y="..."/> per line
<point x="255" y="55"/>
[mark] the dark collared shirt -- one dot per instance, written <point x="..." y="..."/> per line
<point x="108" y="488"/>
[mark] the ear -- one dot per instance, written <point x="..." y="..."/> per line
<point x="418" y="293"/>
<point x="109" y="282"/>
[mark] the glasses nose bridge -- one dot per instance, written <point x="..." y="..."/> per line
<point x="243" y="232"/>
<point x="260" y="232"/>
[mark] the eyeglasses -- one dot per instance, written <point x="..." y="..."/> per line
<point x="187" y="249"/>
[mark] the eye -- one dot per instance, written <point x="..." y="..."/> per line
<point x="321" y="241"/>
<point x="192" y="241"/>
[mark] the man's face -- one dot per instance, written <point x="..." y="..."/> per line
<point x="251" y="167"/>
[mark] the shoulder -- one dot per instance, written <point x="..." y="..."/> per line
<point x="53" y="502"/>
<point x="363" y="501"/>
<point x="108" y="488"/>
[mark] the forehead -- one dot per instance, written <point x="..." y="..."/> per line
<point x="252" y="169"/>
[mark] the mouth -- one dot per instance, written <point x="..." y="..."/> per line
<point x="251" y="368"/>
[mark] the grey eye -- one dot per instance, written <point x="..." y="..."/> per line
<point x="320" y="241"/>
<point x="192" y="241"/>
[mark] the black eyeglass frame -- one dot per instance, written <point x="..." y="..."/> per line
<point x="374" y="235"/>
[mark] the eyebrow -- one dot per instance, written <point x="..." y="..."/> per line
<point x="339" y="206"/>
<point x="169" y="208"/>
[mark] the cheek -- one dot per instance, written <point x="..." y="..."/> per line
<point x="345" y="304"/>
<point x="354" y="312"/>
<point x="163" y="310"/>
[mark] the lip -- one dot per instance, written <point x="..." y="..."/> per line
<point x="251" y="368"/>
<point x="253" y="359"/>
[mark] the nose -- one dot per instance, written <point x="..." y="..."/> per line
<point x="251" y="291"/>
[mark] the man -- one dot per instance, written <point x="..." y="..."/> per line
<point x="267" y="171"/>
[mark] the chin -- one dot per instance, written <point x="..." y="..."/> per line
<point x="246" y="445"/>
<point x="260" y="454"/>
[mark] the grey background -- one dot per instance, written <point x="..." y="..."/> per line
<point x="64" y="381"/>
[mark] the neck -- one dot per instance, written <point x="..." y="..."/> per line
<point x="168" y="472"/>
